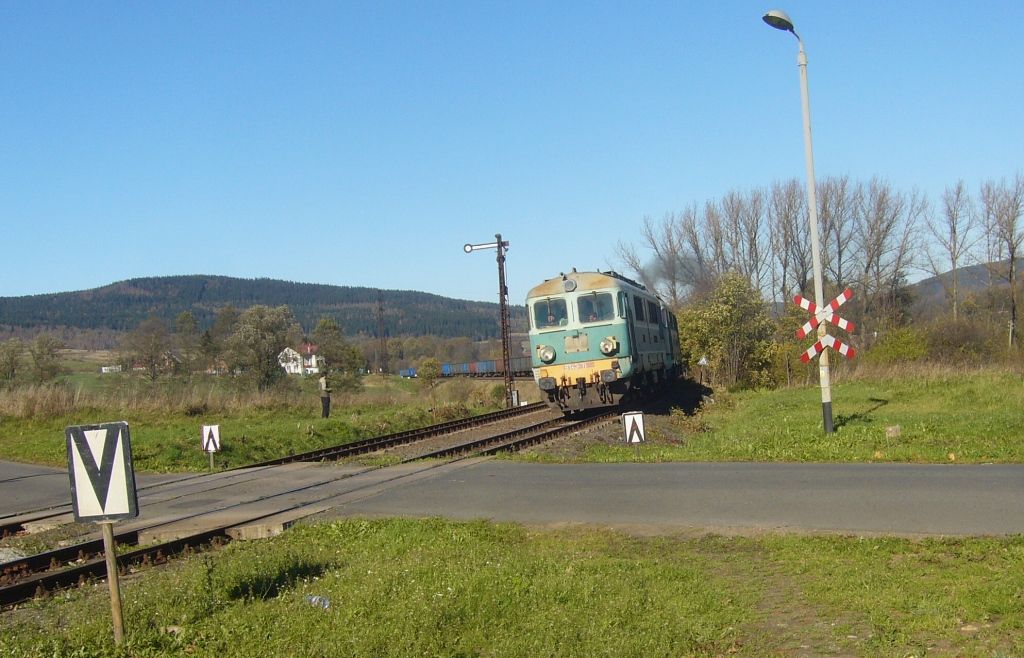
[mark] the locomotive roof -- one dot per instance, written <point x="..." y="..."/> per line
<point x="584" y="281"/>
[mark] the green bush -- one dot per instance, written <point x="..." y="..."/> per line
<point x="962" y="341"/>
<point x="903" y="345"/>
<point x="731" y="329"/>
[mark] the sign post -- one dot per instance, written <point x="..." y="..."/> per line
<point x="703" y="364"/>
<point x="113" y="580"/>
<point x="211" y="441"/>
<point x="103" y="490"/>
<point x="633" y="429"/>
<point x="819" y="316"/>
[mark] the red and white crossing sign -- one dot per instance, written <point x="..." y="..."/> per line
<point x="828" y="341"/>
<point x="825" y="314"/>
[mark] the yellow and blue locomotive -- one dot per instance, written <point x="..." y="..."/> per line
<point x="598" y="337"/>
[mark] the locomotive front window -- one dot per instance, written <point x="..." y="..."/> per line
<point x="549" y="313"/>
<point x="596" y="307"/>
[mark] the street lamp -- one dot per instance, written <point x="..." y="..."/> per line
<point x="506" y="359"/>
<point x="780" y="21"/>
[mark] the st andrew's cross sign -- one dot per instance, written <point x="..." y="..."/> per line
<point x="825" y="314"/>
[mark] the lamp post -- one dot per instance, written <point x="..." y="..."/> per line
<point x="780" y="21"/>
<point x="506" y="360"/>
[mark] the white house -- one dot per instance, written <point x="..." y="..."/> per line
<point x="299" y="364"/>
<point x="291" y="361"/>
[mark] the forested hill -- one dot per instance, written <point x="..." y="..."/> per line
<point x="122" y="306"/>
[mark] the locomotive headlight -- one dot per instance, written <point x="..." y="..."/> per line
<point x="546" y="353"/>
<point x="609" y="346"/>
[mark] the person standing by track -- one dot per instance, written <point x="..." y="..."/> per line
<point x="325" y="396"/>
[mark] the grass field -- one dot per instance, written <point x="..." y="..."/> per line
<point x="438" y="588"/>
<point x="924" y="416"/>
<point x="166" y="417"/>
<point x="928" y="416"/>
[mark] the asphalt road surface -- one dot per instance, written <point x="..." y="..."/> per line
<point x="844" y="498"/>
<point x="723" y="497"/>
<point x="25" y="487"/>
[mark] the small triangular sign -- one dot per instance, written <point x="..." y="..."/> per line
<point x="633" y="425"/>
<point x="211" y="438"/>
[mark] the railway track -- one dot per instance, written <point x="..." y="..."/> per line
<point x="15" y="524"/>
<point x="36" y="575"/>
<point x="400" y="438"/>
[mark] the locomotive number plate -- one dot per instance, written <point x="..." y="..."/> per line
<point x="586" y="365"/>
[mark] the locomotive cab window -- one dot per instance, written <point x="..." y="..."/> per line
<point x="638" y="309"/>
<point x="595" y="307"/>
<point x="549" y="313"/>
<point x="654" y="313"/>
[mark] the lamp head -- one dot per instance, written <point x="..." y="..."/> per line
<point x="779" y="20"/>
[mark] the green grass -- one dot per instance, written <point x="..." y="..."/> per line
<point x="972" y="417"/>
<point x="438" y="588"/>
<point x="166" y="417"/>
<point x="164" y="443"/>
<point x="963" y="417"/>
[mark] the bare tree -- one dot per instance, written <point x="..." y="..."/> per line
<point x="758" y="251"/>
<point x="186" y="339"/>
<point x="886" y="223"/>
<point x="743" y="225"/>
<point x="955" y="236"/>
<point x="667" y="274"/>
<point x="665" y="242"/>
<point x="11" y="352"/>
<point x="45" y="358"/>
<point x="1001" y="208"/>
<point x="148" y="345"/>
<point x="837" y="216"/>
<point x="788" y="228"/>
<point x="631" y="259"/>
<point x="714" y="232"/>
<point x="701" y="269"/>
<point x="691" y="250"/>
<point x="260" y="335"/>
<point x="731" y="213"/>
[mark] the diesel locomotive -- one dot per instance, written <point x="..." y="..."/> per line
<point x="597" y="338"/>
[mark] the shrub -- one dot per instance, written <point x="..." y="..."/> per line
<point x="902" y="345"/>
<point x="731" y="329"/>
<point x="961" y="341"/>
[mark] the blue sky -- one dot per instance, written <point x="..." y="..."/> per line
<point x="363" y="143"/>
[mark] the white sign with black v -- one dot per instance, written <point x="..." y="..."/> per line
<point x="101" y="472"/>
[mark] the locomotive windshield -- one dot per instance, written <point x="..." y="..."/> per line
<point x="549" y="313"/>
<point x="597" y="307"/>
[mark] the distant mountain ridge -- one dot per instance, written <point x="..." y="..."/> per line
<point x="123" y="305"/>
<point x="970" y="279"/>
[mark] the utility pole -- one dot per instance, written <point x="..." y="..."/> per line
<point x="506" y="336"/>
<point x="382" y="359"/>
